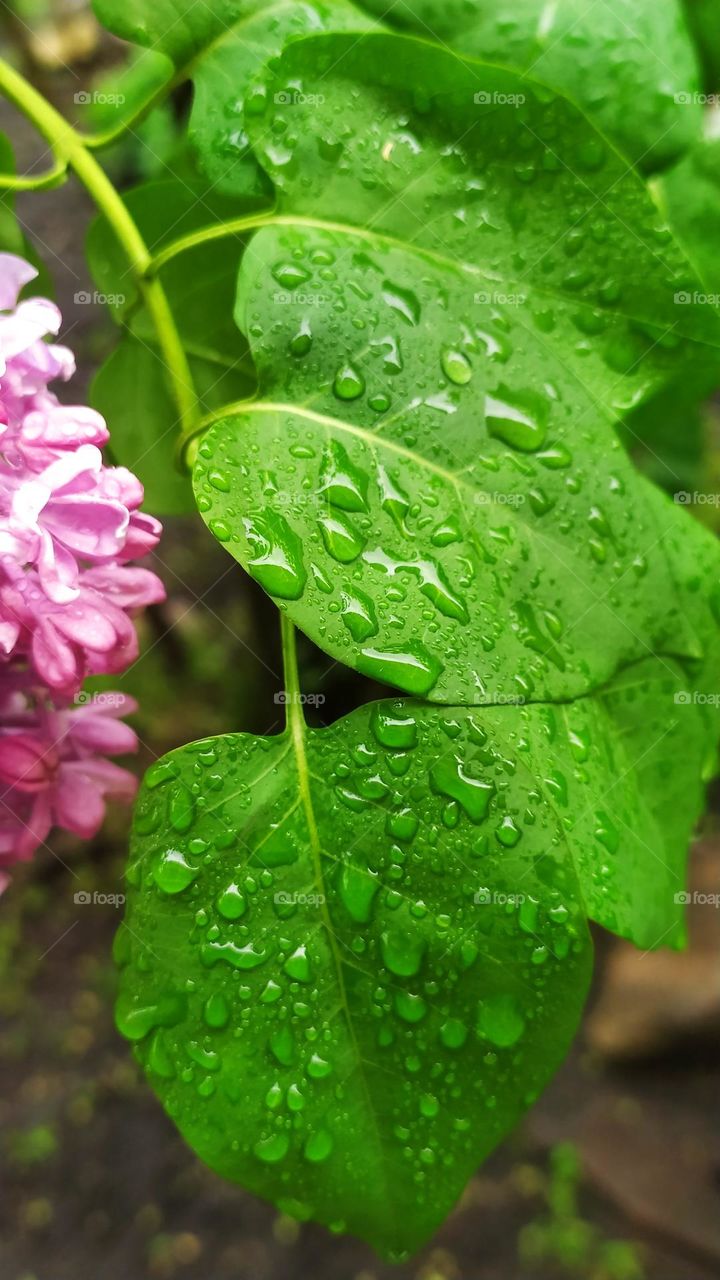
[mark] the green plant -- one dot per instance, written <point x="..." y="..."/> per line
<point x="353" y="956"/>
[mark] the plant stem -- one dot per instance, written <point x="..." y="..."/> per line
<point x="42" y="182"/>
<point x="295" y="720"/>
<point x="234" y="226"/>
<point x="69" y="147"/>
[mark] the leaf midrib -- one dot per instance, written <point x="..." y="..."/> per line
<point x="461" y="265"/>
<point x="297" y="728"/>
<point x="456" y="479"/>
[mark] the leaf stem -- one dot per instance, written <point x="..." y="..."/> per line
<point x="295" y="720"/>
<point x="41" y="182"/>
<point x="234" y="226"/>
<point x="68" y="148"/>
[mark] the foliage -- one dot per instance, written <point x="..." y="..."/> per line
<point x="407" y="315"/>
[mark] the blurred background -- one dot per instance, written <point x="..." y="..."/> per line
<point x="614" y="1175"/>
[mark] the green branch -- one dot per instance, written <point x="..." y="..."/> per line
<point x="70" y="150"/>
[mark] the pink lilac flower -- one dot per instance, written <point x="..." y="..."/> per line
<point x="69" y="528"/>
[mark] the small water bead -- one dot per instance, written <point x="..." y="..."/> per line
<point x="135" y="1021"/>
<point x="392" y="727"/>
<point x="448" y="777"/>
<point x="411" y="1008"/>
<point x="318" y="1146"/>
<point x="453" y="1033"/>
<point x="276" y="559"/>
<point x="290" y="275"/>
<point x="519" y="419"/>
<point x="456" y="367"/>
<point x="295" y="1098"/>
<point x="272" y="1150"/>
<point x="282" y="1046"/>
<point x="500" y="1021"/>
<point x="232" y="903"/>
<point x="405" y="303"/>
<point x="274" y="1096"/>
<point x="414" y="670"/>
<point x="342" y="541"/>
<point x="216" y="1011"/>
<point x="358" y="888"/>
<point x="301" y="341"/>
<point x="173" y="873"/>
<point x="349" y="384"/>
<point x="237" y="957"/>
<point x="297" y="966"/>
<point x="403" y="951"/>
<point x="343" y="483"/>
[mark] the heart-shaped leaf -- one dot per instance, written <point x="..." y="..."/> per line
<point x="632" y="67"/>
<point x="353" y="956"/>
<point x="430" y="481"/>
<point x="332" y="983"/>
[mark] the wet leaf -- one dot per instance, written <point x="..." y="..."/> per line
<point x="222" y="47"/>
<point x="354" y="955"/>
<point x="430" y="482"/>
<point x="631" y="67"/>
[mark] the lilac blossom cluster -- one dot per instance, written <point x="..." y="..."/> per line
<point x="69" y="529"/>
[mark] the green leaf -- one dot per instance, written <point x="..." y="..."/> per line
<point x="430" y="482"/>
<point x="354" y="956"/>
<point x="330" y="981"/>
<point x="632" y="67"/>
<point x="221" y="48"/>
<point x="702" y="18"/>
<point x="130" y="389"/>
<point x="131" y="393"/>
<point x="689" y="195"/>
